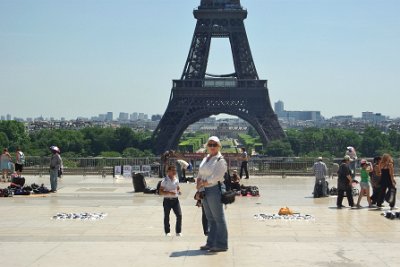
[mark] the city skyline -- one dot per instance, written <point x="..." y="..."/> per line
<point x="70" y="58"/>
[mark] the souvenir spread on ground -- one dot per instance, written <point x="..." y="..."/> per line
<point x="289" y="217"/>
<point x="83" y="216"/>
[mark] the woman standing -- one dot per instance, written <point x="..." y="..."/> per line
<point x="5" y="162"/>
<point x="387" y="179"/>
<point x="211" y="173"/>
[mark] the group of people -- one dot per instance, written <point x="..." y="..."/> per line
<point x="379" y="175"/>
<point x="8" y="166"/>
<point x="210" y="177"/>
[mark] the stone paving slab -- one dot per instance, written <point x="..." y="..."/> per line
<point x="132" y="232"/>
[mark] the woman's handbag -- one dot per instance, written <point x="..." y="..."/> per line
<point x="391" y="195"/>
<point x="227" y="197"/>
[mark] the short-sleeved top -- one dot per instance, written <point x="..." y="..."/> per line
<point x="213" y="170"/>
<point x="343" y="181"/>
<point x="244" y="156"/>
<point x="170" y="185"/>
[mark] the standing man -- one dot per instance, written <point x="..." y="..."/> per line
<point x="20" y="161"/>
<point x="351" y="152"/>
<point x="320" y="171"/>
<point x="55" y="166"/>
<point x="245" y="159"/>
<point x="169" y="188"/>
<point x="344" y="183"/>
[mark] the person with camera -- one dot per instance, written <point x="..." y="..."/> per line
<point x="211" y="175"/>
<point x="169" y="188"/>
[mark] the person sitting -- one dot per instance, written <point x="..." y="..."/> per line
<point x="235" y="181"/>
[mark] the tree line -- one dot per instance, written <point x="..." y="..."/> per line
<point x="332" y="142"/>
<point x="125" y="142"/>
<point x="87" y="142"/>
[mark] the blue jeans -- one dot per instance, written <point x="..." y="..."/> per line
<point x="53" y="179"/>
<point x="213" y="207"/>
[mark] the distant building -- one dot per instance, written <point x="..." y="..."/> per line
<point x="3" y="118"/>
<point x="156" y="117"/>
<point x="141" y="116"/>
<point x="8" y="117"/>
<point x="123" y="116"/>
<point x="343" y="118"/>
<point x="134" y="116"/>
<point x="109" y="116"/>
<point x="102" y="117"/>
<point x="279" y="107"/>
<point x="296" y="115"/>
<point x="372" y="117"/>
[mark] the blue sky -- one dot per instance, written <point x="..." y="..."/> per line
<point x="84" y="57"/>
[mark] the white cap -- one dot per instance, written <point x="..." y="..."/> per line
<point x="319" y="158"/>
<point x="215" y="139"/>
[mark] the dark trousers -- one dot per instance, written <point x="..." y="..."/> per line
<point x="244" y="167"/>
<point x="204" y="221"/>
<point x="349" y="195"/>
<point x="383" y="191"/>
<point x="375" y="194"/>
<point x="172" y="203"/>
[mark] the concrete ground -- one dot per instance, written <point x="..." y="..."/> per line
<point x="132" y="233"/>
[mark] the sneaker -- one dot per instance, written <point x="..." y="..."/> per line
<point x="179" y="234"/>
<point x="168" y="234"/>
<point x="358" y="206"/>
<point x="205" y="247"/>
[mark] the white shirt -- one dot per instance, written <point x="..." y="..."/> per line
<point x="170" y="186"/>
<point x="183" y="163"/>
<point x="214" y="170"/>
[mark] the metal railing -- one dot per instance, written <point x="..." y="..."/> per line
<point x="260" y="165"/>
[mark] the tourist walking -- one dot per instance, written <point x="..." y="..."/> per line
<point x="245" y="160"/>
<point x="5" y="164"/>
<point x="170" y="189"/>
<point x="366" y="169"/>
<point x="320" y="171"/>
<point x="211" y="174"/>
<point x="387" y="180"/>
<point x="376" y="180"/>
<point x="19" y="161"/>
<point x="344" y="183"/>
<point x="55" y="166"/>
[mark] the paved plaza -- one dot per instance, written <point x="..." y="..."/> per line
<point x="132" y="232"/>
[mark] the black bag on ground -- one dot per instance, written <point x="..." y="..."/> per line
<point x="149" y="190"/>
<point x="18" y="181"/>
<point x="319" y="190"/>
<point x="6" y="192"/>
<point x="139" y="183"/>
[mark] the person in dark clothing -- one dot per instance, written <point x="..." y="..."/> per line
<point x="387" y="179"/>
<point x="344" y="183"/>
<point x="245" y="161"/>
<point x="375" y="180"/>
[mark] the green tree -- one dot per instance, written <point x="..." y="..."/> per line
<point x="279" y="148"/>
<point x="374" y="142"/>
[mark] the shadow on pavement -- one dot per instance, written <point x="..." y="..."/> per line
<point x="190" y="253"/>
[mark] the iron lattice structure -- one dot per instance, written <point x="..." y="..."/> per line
<point x="198" y="95"/>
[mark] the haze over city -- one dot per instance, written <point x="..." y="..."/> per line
<point x="80" y="58"/>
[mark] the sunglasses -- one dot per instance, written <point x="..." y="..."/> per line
<point x="212" y="145"/>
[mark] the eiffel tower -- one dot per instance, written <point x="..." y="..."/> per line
<point x="198" y="95"/>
